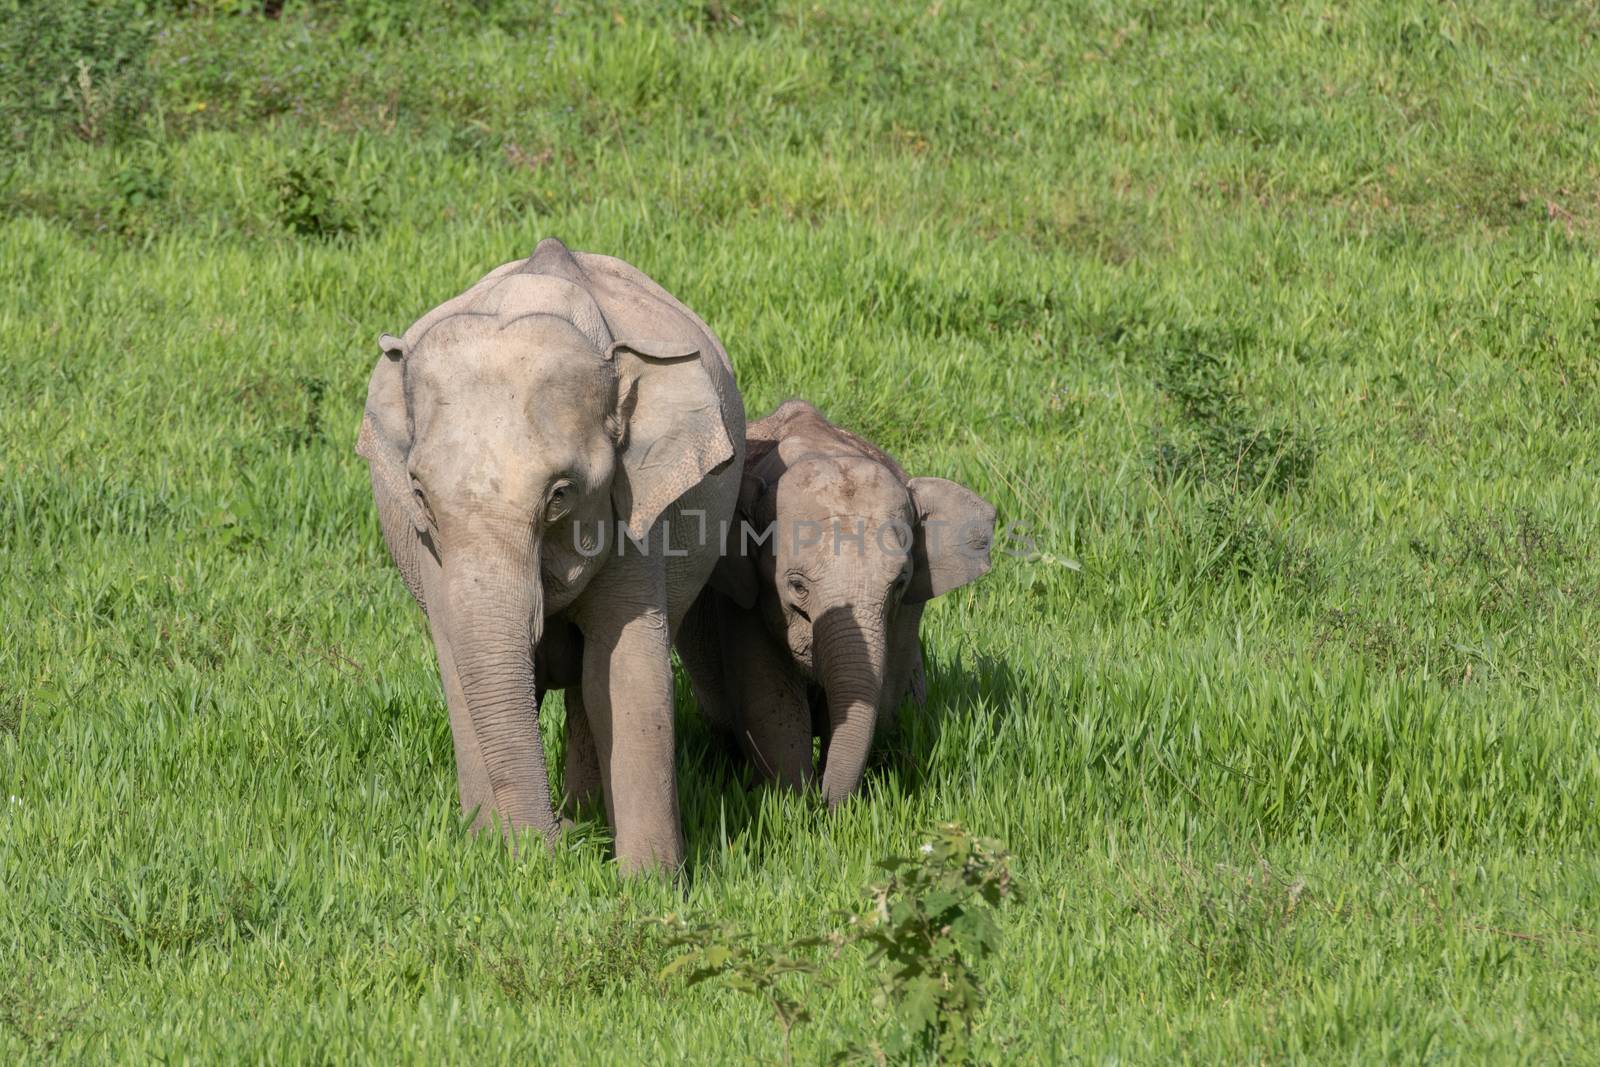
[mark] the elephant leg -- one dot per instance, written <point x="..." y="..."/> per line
<point x="583" y="783"/>
<point x="699" y="649"/>
<point x="558" y="664"/>
<point x="821" y="725"/>
<point x="776" y="737"/>
<point x="774" y="719"/>
<point x="903" y="676"/>
<point x="627" y="691"/>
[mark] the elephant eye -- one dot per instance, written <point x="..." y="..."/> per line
<point x="558" y="500"/>
<point x="422" y="503"/>
<point x="797" y="596"/>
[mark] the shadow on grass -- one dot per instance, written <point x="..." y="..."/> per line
<point x="721" y="799"/>
<point x="723" y="803"/>
<point x="955" y="690"/>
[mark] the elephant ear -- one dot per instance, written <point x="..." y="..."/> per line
<point x="384" y="442"/>
<point x="668" y="427"/>
<point x="955" y="531"/>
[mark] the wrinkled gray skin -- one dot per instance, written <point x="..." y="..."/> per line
<point x="565" y="390"/>
<point x="793" y="640"/>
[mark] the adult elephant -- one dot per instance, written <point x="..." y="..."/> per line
<point x="518" y="437"/>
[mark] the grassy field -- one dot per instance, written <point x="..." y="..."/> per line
<point x="1277" y="326"/>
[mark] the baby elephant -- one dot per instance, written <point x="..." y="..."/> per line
<point x="809" y="626"/>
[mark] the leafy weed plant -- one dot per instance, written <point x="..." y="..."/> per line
<point x="931" y="926"/>
<point x="315" y="200"/>
<point x="928" y="929"/>
<point x="740" y="961"/>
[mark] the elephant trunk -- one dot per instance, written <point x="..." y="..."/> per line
<point x="496" y="617"/>
<point x="850" y="652"/>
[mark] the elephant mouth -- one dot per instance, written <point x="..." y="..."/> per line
<point x="565" y="575"/>
<point x="802" y="648"/>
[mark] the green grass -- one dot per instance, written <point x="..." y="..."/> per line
<point x="1281" y="322"/>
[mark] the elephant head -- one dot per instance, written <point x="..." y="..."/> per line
<point x="853" y="544"/>
<point x="508" y="433"/>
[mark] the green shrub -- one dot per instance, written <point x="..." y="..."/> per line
<point x="1221" y="442"/>
<point x="315" y="201"/>
<point x="743" y="962"/>
<point x="73" y="65"/>
<point x="138" y="191"/>
<point x="929" y="926"/>
<point x="932" y="922"/>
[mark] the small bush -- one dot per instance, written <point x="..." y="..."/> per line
<point x="932" y="921"/>
<point x="77" y="66"/>
<point x="741" y="961"/>
<point x="376" y="21"/>
<point x="312" y="201"/>
<point x="138" y="191"/>
<point x="1232" y="541"/>
<point x="930" y="926"/>
<point x="1221" y="442"/>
